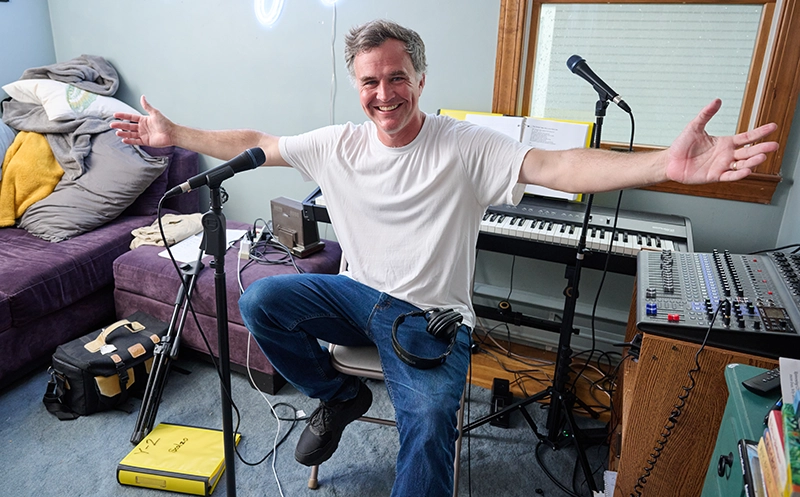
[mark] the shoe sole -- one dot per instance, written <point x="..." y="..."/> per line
<point x="318" y="456"/>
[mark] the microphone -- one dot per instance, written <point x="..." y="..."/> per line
<point x="249" y="159"/>
<point x="579" y="66"/>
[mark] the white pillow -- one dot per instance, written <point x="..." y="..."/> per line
<point x="63" y="102"/>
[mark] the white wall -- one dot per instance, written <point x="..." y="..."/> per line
<point x="210" y="64"/>
<point x="26" y="35"/>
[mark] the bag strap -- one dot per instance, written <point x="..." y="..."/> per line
<point x="99" y="342"/>
<point x="56" y="388"/>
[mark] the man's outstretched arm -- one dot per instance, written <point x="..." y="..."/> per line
<point x="695" y="157"/>
<point x="156" y="130"/>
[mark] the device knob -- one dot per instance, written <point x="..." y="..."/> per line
<point x="725" y="462"/>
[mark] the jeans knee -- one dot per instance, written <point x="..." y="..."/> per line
<point x="258" y="296"/>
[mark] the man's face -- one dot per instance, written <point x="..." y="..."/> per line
<point x="389" y="90"/>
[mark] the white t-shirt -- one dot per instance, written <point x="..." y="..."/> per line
<point x="408" y="218"/>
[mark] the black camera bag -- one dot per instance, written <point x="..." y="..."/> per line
<point x="101" y="370"/>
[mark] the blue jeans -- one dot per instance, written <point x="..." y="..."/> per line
<point x="286" y="314"/>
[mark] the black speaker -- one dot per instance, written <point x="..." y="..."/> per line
<point x="442" y="324"/>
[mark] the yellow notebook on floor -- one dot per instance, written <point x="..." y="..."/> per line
<point x="176" y="458"/>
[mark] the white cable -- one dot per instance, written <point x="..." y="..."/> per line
<point x="253" y="381"/>
<point x="274" y="413"/>
<point x="333" y="63"/>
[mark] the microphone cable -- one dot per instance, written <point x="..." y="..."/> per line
<point x="608" y="252"/>
<point x="676" y="412"/>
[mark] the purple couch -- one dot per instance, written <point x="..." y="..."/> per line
<point x="51" y="293"/>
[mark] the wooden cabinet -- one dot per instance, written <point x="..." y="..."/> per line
<point x="652" y="391"/>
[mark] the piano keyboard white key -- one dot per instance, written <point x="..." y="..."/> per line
<point x="568" y="234"/>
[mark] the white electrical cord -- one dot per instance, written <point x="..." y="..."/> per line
<point x="253" y="382"/>
<point x="333" y="63"/>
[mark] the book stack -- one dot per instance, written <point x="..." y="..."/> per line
<point x="774" y="471"/>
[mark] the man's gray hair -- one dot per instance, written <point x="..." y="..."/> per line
<point x="374" y="33"/>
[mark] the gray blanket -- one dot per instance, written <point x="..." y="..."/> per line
<point x="71" y="141"/>
<point x="87" y="72"/>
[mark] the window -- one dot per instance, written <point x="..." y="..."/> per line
<point x="738" y="51"/>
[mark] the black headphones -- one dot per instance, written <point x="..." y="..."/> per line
<point x="442" y="324"/>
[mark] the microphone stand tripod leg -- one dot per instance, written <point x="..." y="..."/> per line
<point x="165" y="351"/>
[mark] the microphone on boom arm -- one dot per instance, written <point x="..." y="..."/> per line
<point x="578" y="66"/>
<point x="249" y="159"/>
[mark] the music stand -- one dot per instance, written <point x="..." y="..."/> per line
<point x="561" y="399"/>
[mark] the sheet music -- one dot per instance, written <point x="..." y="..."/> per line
<point x="509" y="125"/>
<point x="188" y="249"/>
<point x="548" y="134"/>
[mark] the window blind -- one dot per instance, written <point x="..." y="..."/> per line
<point x="667" y="61"/>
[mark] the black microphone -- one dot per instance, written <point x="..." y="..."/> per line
<point x="579" y="66"/>
<point x="249" y="159"/>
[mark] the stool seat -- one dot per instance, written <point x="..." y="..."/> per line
<point x="357" y="361"/>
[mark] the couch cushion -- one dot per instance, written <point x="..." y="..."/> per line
<point x="114" y="175"/>
<point x="40" y="277"/>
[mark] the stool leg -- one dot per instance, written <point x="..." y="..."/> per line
<point x="312" y="480"/>
<point x="459" y="426"/>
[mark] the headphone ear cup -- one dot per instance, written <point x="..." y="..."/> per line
<point x="443" y="323"/>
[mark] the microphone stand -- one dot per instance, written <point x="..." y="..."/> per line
<point x="561" y="399"/>
<point x="214" y="227"/>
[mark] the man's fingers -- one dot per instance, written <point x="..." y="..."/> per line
<point x="754" y="135"/>
<point x="708" y="112"/>
<point x="146" y="105"/>
<point x="124" y="124"/>
<point x="744" y="153"/>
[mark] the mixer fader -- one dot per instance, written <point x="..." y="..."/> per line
<point x="753" y="300"/>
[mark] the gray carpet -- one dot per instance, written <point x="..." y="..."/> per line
<point x="42" y="456"/>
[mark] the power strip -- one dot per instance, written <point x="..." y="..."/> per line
<point x="244" y="249"/>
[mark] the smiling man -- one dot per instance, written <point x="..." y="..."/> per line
<point x="405" y="193"/>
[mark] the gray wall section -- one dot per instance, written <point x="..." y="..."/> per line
<point x="211" y="65"/>
<point x="26" y="37"/>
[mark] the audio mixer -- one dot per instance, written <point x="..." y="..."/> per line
<point x="753" y="300"/>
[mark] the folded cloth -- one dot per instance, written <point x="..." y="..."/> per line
<point x="87" y="72"/>
<point x="30" y="173"/>
<point x="176" y="228"/>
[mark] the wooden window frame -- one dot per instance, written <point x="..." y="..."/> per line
<point x="781" y="84"/>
